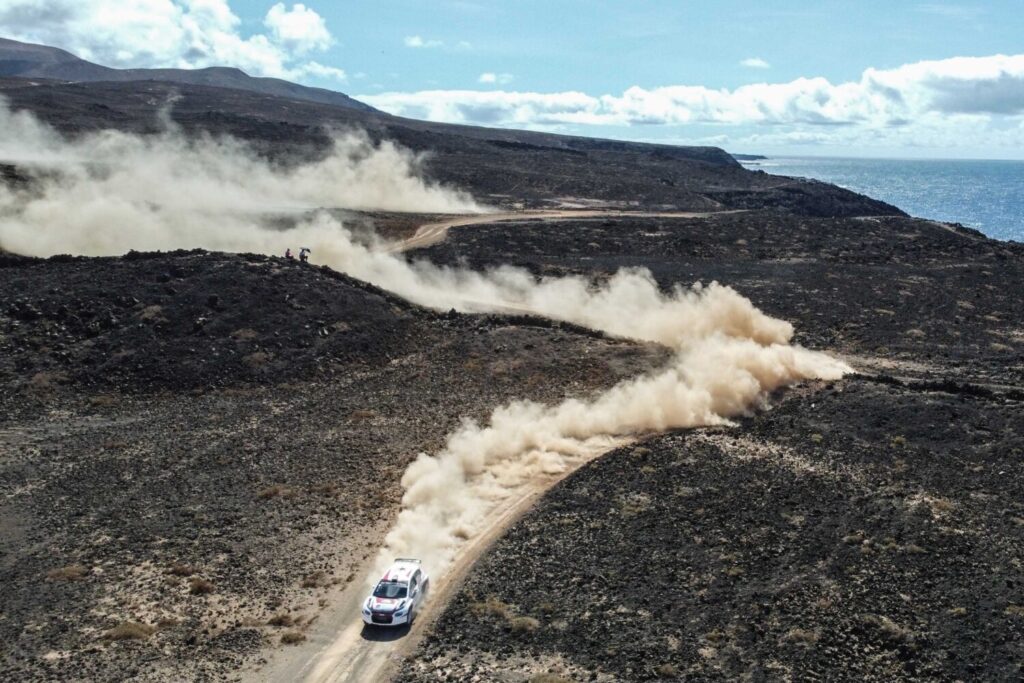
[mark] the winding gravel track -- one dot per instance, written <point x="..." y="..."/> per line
<point x="340" y="649"/>
<point x="432" y="233"/>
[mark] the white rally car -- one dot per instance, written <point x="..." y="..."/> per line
<point x="398" y="594"/>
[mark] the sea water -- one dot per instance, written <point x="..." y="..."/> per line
<point x="986" y="195"/>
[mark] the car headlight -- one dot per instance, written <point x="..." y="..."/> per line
<point x="402" y="609"/>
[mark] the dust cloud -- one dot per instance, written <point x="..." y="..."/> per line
<point x="108" y="192"/>
<point x="730" y="356"/>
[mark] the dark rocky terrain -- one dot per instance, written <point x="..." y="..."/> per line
<point x="869" y="529"/>
<point x="197" y="450"/>
<point x="199" y="443"/>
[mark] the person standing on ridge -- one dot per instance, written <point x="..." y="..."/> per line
<point x="304" y="254"/>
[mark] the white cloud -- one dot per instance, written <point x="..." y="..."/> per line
<point x="419" y="42"/>
<point x="300" y="27"/>
<point x="944" y="95"/>
<point x="755" y="63"/>
<point x="490" y="77"/>
<point x="173" y="33"/>
<point x="322" y="71"/>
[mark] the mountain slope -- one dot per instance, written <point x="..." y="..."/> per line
<point x="510" y="168"/>
<point x="27" y="60"/>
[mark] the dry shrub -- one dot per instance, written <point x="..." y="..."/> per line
<point x="292" y="638"/>
<point x="801" y="636"/>
<point x="283" y="619"/>
<point x="103" y="401"/>
<point x="200" y="586"/>
<point x="276" y="491"/>
<point x="549" y="678"/>
<point x="72" y="572"/>
<point x="889" y="628"/>
<point x="153" y="313"/>
<point x="257" y="360"/>
<point x="46" y="381"/>
<point x="667" y="670"/>
<point x="362" y="415"/>
<point x="130" y="630"/>
<point x="491" y="607"/>
<point x="244" y="334"/>
<point x="315" y="580"/>
<point x="1014" y="610"/>
<point x="523" y="624"/>
<point x="179" y="569"/>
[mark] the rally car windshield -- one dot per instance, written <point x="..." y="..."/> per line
<point x="390" y="589"/>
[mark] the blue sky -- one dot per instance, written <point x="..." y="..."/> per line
<point x="853" y="78"/>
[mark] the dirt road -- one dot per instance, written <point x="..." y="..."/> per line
<point x="340" y="649"/>
<point x="431" y="233"/>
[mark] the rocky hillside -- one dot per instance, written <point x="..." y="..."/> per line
<point x="869" y="529"/>
<point x="501" y="167"/>
<point x="200" y="450"/>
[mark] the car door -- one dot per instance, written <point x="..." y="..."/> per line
<point x="414" y="589"/>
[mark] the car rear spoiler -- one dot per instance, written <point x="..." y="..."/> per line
<point x="408" y="559"/>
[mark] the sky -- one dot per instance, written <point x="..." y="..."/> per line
<point x="854" y="78"/>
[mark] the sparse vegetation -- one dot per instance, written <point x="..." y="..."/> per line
<point x="182" y="570"/>
<point x="72" y="572"/>
<point x="491" y="607"/>
<point x="801" y="636"/>
<point x="889" y="629"/>
<point x="292" y="637"/>
<point x="276" y="491"/>
<point x="523" y="624"/>
<point x="315" y="580"/>
<point x="200" y="586"/>
<point x="667" y="670"/>
<point x="130" y="630"/>
<point x="282" y="619"/>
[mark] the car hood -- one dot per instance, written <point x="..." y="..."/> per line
<point x="385" y="604"/>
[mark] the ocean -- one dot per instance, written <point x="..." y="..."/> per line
<point x="986" y="195"/>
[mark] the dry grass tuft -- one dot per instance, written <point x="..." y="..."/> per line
<point x="491" y="607"/>
<point x="283" y="619"/>
<point x="180" y="569"/>
<point x="200" y="586"/>
<point x="667" y="670"/>
<point x="801" y="636"/>
<point x="889" y="628"/>
<point x="315" y="580"/>
<point x="257" y="360"/>
<point x="549" y="678"/>
<point x="523" y="624"/>
<point x="130" y="630"/>
<point x="72" y="572"/>
<point x="276" y="491"/>
<point x="292" y="638"/>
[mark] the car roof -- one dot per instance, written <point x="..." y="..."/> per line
<point x="401" y="570"/>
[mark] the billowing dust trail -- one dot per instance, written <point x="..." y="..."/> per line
<point x="340" y="649"/>
<point x="729" y="357"/>
<point x="107" y="192"/>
